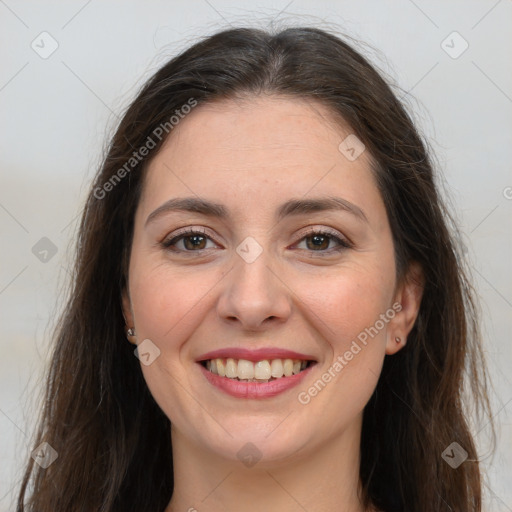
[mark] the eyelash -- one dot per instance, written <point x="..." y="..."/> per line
<point x="343" y="244"/>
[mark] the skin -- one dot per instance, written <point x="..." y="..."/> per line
<point x="252" y="155"/>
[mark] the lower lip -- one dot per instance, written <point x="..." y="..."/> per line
<point x="241" y="389"/>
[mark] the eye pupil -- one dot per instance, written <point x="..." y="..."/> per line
<point x="319" y="241"/>
<point x="196" y="240"/>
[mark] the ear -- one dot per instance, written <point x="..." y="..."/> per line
<point x="408" y="294"/>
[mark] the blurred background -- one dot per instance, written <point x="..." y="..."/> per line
<point x="69" y="69"/>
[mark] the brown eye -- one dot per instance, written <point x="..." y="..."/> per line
<point x="319" y="241"/>
<point x="193" y="241"/>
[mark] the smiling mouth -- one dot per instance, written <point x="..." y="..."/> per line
<point x="266" y="370"/>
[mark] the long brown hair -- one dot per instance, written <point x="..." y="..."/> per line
<point x="113" y="442"/>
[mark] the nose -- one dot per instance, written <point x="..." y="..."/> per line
<point x="254" y="295"/>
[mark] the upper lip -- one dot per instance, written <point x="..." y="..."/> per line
<point x="254" y="355"/>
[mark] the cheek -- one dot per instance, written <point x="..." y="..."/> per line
<point x="166" y="301"/>
<point x="346" y="311"/>
<point x="347" y="301"/>
<point x="168" y="307"/>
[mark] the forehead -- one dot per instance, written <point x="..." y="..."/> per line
<point x="257" y="125"/>
<point x="254" y="149"/>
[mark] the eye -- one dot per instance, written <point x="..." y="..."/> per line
<point x="193" y="241"/>
<point x="318" y="240"/>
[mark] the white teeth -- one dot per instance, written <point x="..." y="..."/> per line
<point x="261" y="371"/>
<point x="246" y="369"/>
<point x="288" y="367"/>
<point x="231" y="368"/>
<point x="276" y="368"/>
<point x="221" y="367"/>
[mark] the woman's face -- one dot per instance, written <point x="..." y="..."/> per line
<point x="264" y="279"/>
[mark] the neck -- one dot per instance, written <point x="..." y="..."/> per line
<point x="323" y="478"/>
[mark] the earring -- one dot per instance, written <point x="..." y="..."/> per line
<point x="130" y="333"/>
<point x="397" y="339"/>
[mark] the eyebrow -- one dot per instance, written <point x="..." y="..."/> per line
<point x="289" y="208"/>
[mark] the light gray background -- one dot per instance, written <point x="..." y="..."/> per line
<point x="57" y="112"/>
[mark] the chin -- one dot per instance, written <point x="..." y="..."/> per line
<point x="262" y="443"/>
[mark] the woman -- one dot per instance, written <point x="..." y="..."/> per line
<point x="267" y="233"/>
